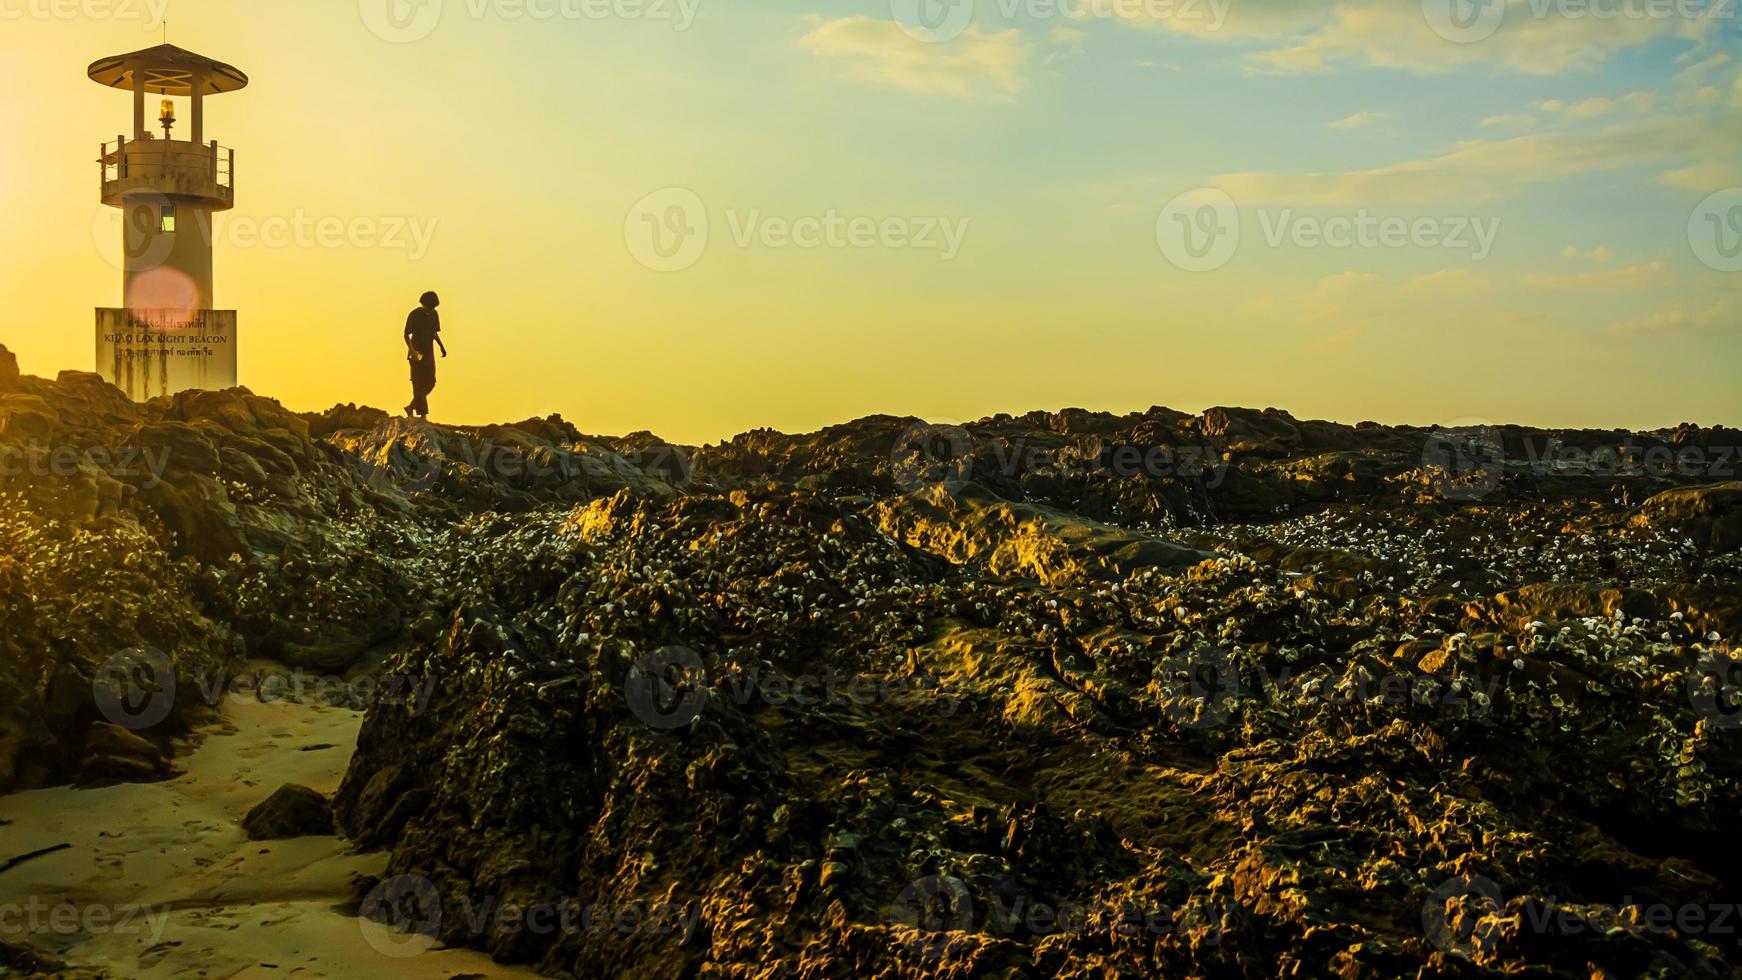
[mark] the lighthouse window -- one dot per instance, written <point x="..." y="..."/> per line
<point x="168" y="218"/>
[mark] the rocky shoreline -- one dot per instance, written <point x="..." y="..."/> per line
<point x="1065" y="694"/>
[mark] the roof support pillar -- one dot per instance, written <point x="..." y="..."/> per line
<point x="138" y="104"/>
<point x="198" y="84"/>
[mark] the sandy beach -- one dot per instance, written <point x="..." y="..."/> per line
<point x="159" y="879"/>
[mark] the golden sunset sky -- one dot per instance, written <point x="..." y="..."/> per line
<point x="918" y="208"/>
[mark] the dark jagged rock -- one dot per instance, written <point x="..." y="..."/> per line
<point x="8" y="369"/>
<point x="1366" y="754"/>
<point x="149" y="544"/>
<point x="1066" y="694"/>
<point x="291" y="811"/>
<point x="1710" y="516"/>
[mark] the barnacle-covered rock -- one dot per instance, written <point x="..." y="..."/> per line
<point x="1066" y="694"/>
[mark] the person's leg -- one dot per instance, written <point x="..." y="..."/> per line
<point x="421" y="386"/>
<point x="422" y="380"/>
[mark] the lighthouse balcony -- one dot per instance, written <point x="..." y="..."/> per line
<point x="132" y="169"/>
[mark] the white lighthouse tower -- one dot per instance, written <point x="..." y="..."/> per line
<point x="166" y="337"/>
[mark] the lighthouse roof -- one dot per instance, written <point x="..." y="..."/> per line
<point x="167" y="70"/>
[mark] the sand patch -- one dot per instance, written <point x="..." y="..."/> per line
<point x="160" y="881"/>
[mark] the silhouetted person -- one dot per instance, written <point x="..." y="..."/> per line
<point x="423" y="334"/>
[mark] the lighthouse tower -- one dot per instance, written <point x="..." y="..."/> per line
<point x="168" y="182"/>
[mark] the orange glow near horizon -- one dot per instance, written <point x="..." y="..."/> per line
<point x="942" y="230"/>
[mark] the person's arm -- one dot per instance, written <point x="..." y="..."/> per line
<point x="410" y="349"/>
<point x="438" y="334"/>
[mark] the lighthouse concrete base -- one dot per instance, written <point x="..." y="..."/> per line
<point x="147" y="353"/>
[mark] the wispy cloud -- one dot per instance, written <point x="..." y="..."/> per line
<point x="1510" y="120"/>
<point x="1704" y="178"/>
<point x="1480" y="170"/>
<point x="1324" y="35"/>
<point x="1597" y="107"/>
<point x="1641" y="276"/>
<point x="1356" y="120"/>
<point x="879" y="52"/>
<point x="1676" y="321"/>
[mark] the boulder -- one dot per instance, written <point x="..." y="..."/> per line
<point x="291" y="811"/>
<point x="1024" y="540"/>
<point x="1245" y="430"/>
<point x="1710" y="515"/>
<point x="116" y="755"/>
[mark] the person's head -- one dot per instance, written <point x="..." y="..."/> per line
<point x="430" y="301"/>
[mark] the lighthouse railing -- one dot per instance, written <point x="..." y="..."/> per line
<point x="154" y="159"/>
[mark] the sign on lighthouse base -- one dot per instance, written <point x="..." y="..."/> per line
<point x="148" y="353"/>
